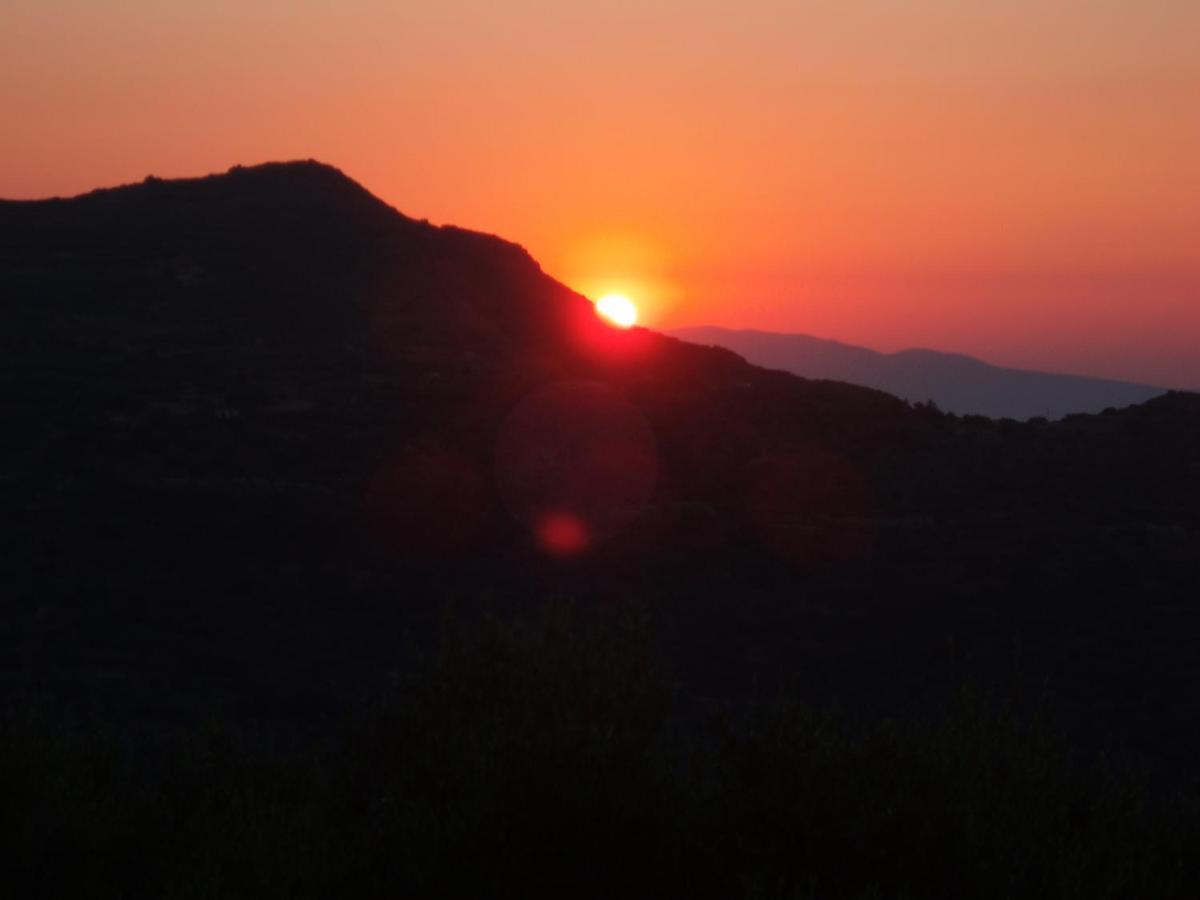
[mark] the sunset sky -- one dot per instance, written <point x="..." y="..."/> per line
<point x="1017" y="180"/>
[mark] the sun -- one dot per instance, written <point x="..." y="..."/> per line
<point x="618" y="310"/>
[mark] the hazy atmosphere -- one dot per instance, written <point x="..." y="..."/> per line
<point x="1019" y="181"/>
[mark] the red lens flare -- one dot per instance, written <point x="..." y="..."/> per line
<point x="575" y="462"/>
<point x="561" y="534"/>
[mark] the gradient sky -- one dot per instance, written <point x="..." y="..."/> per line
<point x="1018" y="180"/>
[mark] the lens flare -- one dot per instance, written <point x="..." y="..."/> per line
<point x="562" y="534"/>
<point x="576" y="462"/>
<point x="618" y="310"/>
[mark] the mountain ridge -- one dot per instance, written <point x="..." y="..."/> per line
<point x="262" y="424"/>
<point x="956" y="382"/>
<point x="296" y="174"/>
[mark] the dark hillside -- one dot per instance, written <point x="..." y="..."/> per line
<point x="261" y="430"/>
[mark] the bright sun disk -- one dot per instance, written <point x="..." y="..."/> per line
<point x="617" y="309"/>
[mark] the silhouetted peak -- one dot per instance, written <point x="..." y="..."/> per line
<point x="296" y="210"/>
<point x="293" y="168"/>
<point x="301" y="178"/>
<point x="305" y="192"/>
<point x="257" y="238"/>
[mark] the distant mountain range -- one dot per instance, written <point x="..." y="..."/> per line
<point x="956" y="383"/>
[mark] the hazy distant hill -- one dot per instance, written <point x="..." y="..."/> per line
<point x="956" y="383"/>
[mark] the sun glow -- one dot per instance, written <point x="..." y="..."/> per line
<point x="617" y="309"/>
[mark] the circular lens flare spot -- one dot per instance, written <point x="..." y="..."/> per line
<point x="618" y="310"/>
<point x="562" y="534"/>
<point x="576" y="463"/>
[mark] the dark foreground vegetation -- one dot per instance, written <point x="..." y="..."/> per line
<point x="555" y="761"/>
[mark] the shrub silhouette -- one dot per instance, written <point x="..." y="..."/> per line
<point x="552" y="760"/>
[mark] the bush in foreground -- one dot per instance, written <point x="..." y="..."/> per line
<point x="550" y="761"/>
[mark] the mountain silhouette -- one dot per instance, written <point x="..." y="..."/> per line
<point x="263" y="429"/>
<point x="956" y="383"/>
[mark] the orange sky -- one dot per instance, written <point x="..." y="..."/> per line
<point x="1019" y="180"/>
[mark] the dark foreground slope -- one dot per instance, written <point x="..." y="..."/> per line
<point x="956" y="383"/>
<point x="494" y="600"/>
<point x="262" y="431"/>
